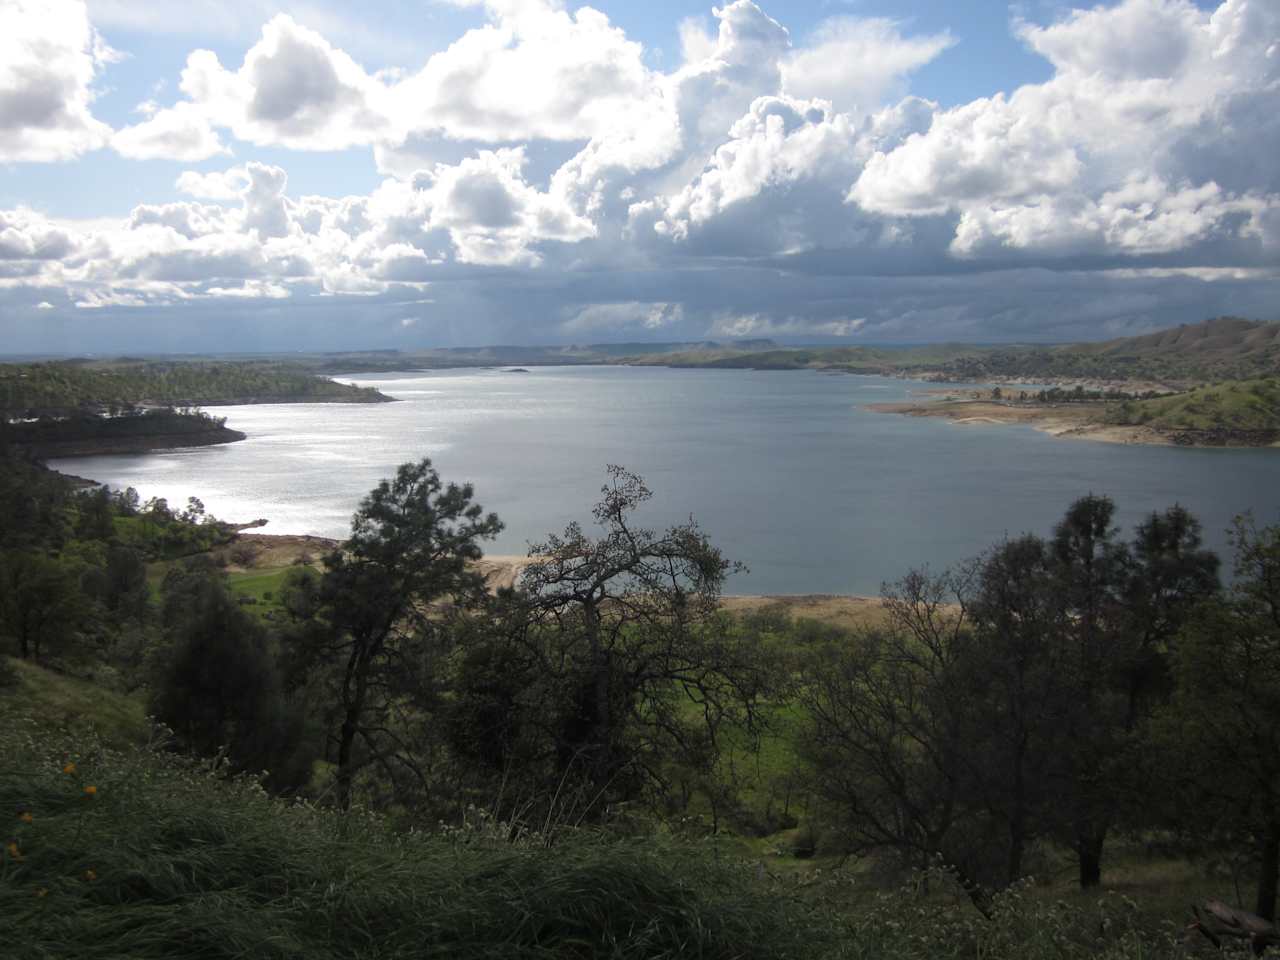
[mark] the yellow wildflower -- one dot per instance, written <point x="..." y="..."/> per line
<point x="70" y="768"/>
<point x="90" y="876"/>
<point x="90" y="791"/>
<point x="14" y="852"/>
<point x="42" y="892"/>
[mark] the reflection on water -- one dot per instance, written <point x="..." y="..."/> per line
<point x="783" y="469"/>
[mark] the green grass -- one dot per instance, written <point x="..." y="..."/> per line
<point x="1231" y="405"/>
<point x="67" y="706"/>
<point x="258" y="583"/>
<point x="167" y="860"/>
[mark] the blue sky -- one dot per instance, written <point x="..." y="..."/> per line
<point x="258" y="175"/>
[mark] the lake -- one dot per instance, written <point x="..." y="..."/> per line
<point x="784" y="470"/>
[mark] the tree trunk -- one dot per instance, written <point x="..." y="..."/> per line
<point x="345" y="773"/>
<point x="1269" y="849"/>
<point x="602" y="734"/>
<point x="1017" y="848"/>
<point x="1089" y="850"/>
<point x="357" y="674"/>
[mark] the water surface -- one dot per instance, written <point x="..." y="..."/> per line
<point x="783" y="469"/>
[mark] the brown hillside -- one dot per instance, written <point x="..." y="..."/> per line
<point x="1224" y="338"/>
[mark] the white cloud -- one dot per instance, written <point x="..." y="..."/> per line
<point x="181" y="132"/>
<point x="1107" y="154"/>
<point x="778" y="142"/>
<point x="49" y="58"/>
<point x="492" y="215"/>
<point x="620" y="318"/>
<point x="535" y="71"/>
<point x="217" y="185"/>
<point x="294" y="89"/>
<point x="26" y="235"/>
<point x="857" y="63"/>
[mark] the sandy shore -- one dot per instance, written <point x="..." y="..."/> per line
<point x="1079" y="421"/>
<point x="503" y="570"/>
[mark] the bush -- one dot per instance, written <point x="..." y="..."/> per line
<point x="143" y="856"/>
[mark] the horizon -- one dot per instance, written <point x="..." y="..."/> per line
<point x="764" y="343"/>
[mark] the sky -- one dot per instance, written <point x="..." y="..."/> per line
<point x="248" y="175"/>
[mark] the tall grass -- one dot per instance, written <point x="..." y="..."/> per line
<point x="142" y="854"/>
<point x="163" y="858"/>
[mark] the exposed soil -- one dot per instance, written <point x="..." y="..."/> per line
<point x="1078" y="421"/>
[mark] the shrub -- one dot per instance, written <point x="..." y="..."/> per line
<point x="166" y="857"/>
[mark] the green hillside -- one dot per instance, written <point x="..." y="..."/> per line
<point x="1248" y="405"/>
<point x="64" y="386"/>
<point x="66" y="706"/>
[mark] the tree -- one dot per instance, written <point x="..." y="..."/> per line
<point x="634" y="673"/>
<point x="218" y="686"/>
<point x="1218" y="739"/>
<point x="412" y="544"/>
<point x="933" y="736"/>
<point x="41" y="604"/>
<point x="1002" y="702"/>
<point x="1123" y="605"/>
<point x="885" y="742"/>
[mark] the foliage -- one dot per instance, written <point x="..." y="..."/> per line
<point x="1219" y="737"/>
<point x="609" y="674"/>
<point x="60" y="388"/>
<point x="1000" y="705"/>
<point x="412" y="539"/>
<point x="168" y="858"/>
<point x="217" y="685"/>
<point x="1240" y="405"/>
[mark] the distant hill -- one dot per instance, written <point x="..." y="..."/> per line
<point x="60" y="388"/>
<point x="1225" y="348"/>
<point x="537" y="356"/>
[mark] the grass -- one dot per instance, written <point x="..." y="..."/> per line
<point x="1231" y="405"/>
<point x="262" y="585"/>
<point x="167" y="859"/>
<point x="67" y="706"/>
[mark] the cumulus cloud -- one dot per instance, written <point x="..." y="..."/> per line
<point x="534" y="71"/>
<point x="777" y="142"/>
<point x="1107" y="155"/>
<point x="25" y="235"/>
<point x="49" y="59"/>
<point x="857" y="63"/>
<point x="181" y="132"/>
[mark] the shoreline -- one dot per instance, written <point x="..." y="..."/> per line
<point x="1069" y="421"/>
<point x="503" y="570"/>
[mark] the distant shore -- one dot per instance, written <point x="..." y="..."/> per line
<point x="1074" y="421"/>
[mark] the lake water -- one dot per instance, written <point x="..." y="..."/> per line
<point x="784" y="470"/>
